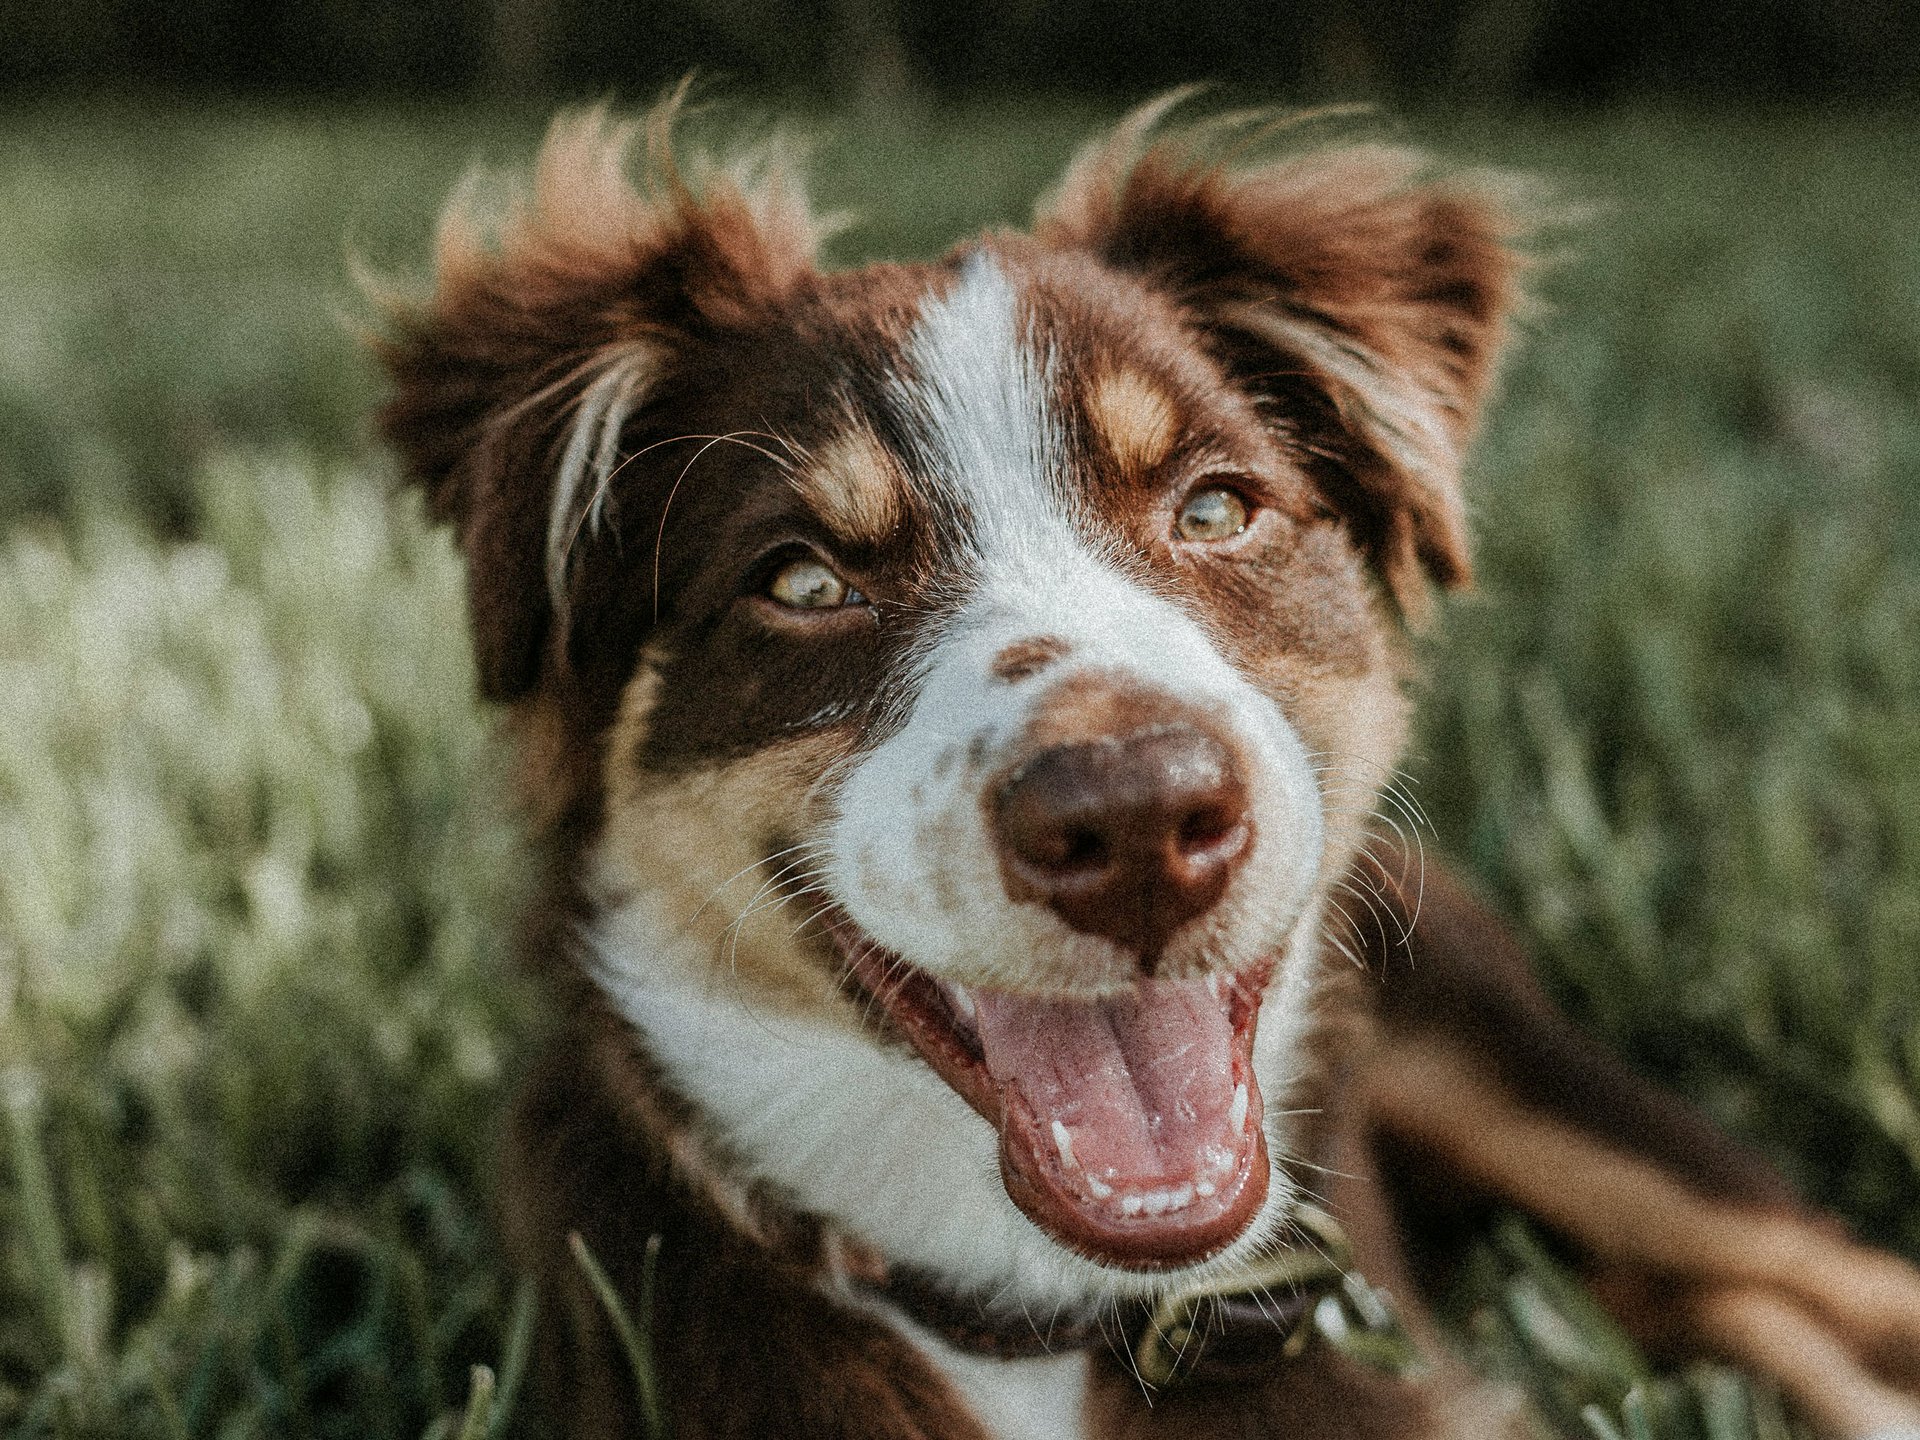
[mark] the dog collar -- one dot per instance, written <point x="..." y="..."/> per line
<point x="1232" y="1327"/>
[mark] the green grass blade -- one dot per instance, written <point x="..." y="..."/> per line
<point x="479" y="1419"/>
<point x="39" y="1214"/>
<point x="636" y="1341"/>
<point x="1725" y="1410"/>
<point x="1636" y="1412"/>
<point x="513" y="1361"/>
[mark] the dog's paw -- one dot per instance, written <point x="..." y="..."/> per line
<point x="1873" y="1299"/>
<point x="1844" y="1388"/>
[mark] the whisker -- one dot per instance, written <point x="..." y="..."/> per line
<point x="1360" y="885"/>
<point x="1334" y="940"/>
<point x="660" y="537"/>
<point x="1368" y="897"/>
<point x="602" y="491"/>
<point x="794" y="881"/>
<point x="720" y="889"/>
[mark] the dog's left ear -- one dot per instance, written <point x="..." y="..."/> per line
<point x="1363" y="303"/>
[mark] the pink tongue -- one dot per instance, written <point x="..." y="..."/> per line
<point x="1142" y="1084"/>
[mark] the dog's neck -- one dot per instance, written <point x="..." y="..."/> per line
<point x="867" y="1139"/>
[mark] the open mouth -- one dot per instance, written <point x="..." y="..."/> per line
<point x="1130" y="1126"/>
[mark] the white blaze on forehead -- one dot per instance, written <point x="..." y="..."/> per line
<point x="976" y="407"/>
<point x="911" y="856"/>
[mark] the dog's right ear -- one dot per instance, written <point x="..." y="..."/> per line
<point x="1362" y="300"/>
<point x="544" y="332"/>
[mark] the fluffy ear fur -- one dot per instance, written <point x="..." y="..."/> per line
<point x="544" y="331"/>
<point x="1365" y="303"/>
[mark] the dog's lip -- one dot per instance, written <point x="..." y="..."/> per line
<point x="1176" y="1170"/>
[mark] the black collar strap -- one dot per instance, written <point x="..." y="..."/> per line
<point x="1235" y="1326"/>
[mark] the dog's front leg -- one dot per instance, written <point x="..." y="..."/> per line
<point x="1694" y="1242"/>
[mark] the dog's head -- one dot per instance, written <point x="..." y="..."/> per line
<point x="997" y="657"/>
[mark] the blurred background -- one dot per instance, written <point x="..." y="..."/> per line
<point x="1480" y="51"/>
<point x="257" y="1011"/>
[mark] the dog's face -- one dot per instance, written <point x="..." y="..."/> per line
<point x="987" y="665"/>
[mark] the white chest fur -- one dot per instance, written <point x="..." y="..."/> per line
<point x="1041" y="1398"/>
<point x="867" y="1136"/>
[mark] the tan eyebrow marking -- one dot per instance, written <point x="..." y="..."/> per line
<point x="854" y="484"/>
<point x="1134" y="417"/>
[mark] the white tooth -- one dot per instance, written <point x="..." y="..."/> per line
<point x="1063" y="1142"/>
<point x="1159" y="1202"/>
<point x="1101" y="1190"/>
<point x="1237" y="1116"/>
<point x="1130" y="1204"/>
<point x="962" y="1001"/>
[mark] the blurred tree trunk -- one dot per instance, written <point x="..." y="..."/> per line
<point x="1339" y="58"/>
<point x="1494" y="47"/>
<point x="520" y="46"/>
<point x="871" y="61"/>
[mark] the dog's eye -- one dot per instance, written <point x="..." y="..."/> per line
<point x="806" y="584"/>
<point x="1212" y="512"/>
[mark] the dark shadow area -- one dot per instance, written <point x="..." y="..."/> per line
<point x="1476" y="50"/>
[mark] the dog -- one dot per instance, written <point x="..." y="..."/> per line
<point x="954" y="704"/>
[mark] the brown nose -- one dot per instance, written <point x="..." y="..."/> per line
<point x="1126" y="838"/>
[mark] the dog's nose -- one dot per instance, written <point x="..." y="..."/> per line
<point x="1126" y="838"/>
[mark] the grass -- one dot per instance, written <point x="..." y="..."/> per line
<point x="255" y="1014"/>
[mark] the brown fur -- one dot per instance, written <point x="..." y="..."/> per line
<point x="1482" y="1092"/>
<point x="1026" y="658"/>
<point x="1325" y="330"/>
<point x="657" y="828"/>
<point x="526" y="309"/>
<point x="745" y="1344"/>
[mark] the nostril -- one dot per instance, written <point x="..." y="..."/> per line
<point x="1206" y="827"/>
<point x="1084" y="850"/>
